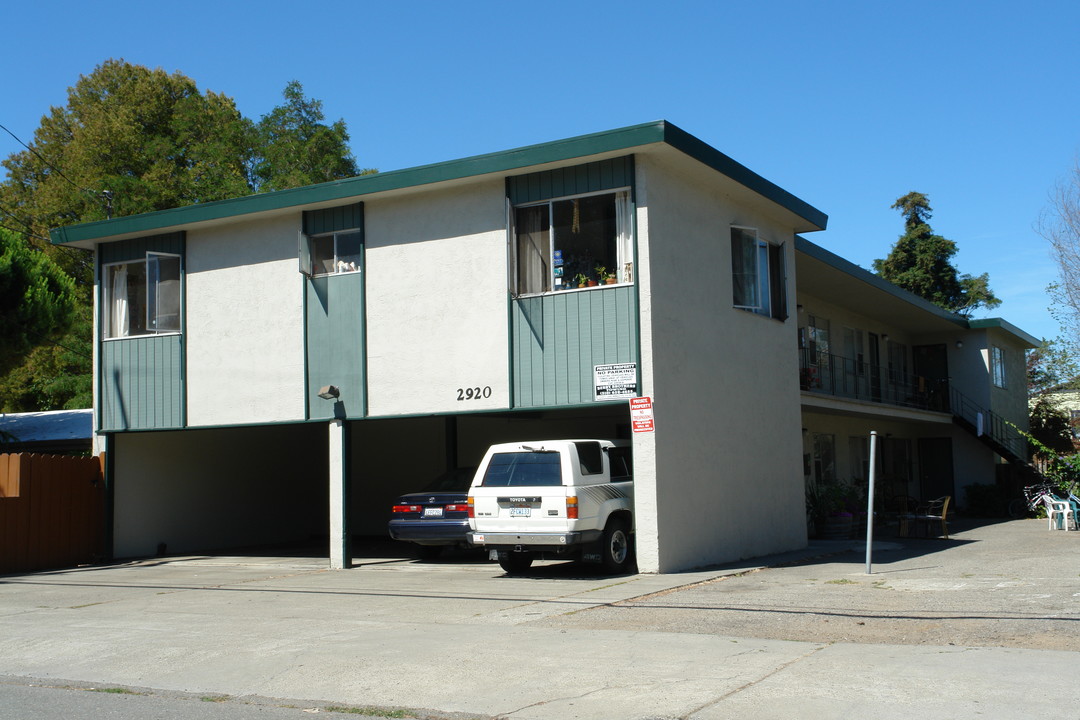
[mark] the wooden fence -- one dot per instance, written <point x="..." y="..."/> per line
<point x="51" y="511"/>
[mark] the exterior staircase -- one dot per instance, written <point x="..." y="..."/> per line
<point x="991" y="430"/>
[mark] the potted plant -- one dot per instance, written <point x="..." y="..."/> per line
<point x="832" y="510"/>
<point x="606" y="277"/>
<point x="580" y="280"/>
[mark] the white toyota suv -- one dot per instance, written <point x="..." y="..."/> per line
<point x="566" y="498"/>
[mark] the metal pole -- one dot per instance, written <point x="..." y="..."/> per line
<point x="870" y="500"/>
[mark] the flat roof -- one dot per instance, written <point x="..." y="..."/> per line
<point x="622" y="139"/>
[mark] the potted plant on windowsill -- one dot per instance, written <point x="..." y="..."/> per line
<point x="580" y="280"/>
<point x="606" y="277"/>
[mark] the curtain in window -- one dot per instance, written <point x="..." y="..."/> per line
<point x="624" y="237"/>
<point x="744" y="272"/>
<point x="533" y="250"/>
<point x="119" y="303"/>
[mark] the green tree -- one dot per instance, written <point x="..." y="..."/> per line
<point x="1051" y="367"/>
<point x="129" y="140"/>
<point x="1050" y="425"/>
<point x="132" y="140"/>
<point x="37" y="299"/>
<point x="921" y="262"/>
<point x="295" y="148"/>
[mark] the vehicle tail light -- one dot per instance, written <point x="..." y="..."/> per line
<point x="571" y="507"/>
<point x="462" y="507"/>
<point x="406" y="508"/>
<point x="472" y="506"/>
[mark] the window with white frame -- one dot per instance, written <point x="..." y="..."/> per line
<point x="331" y="253"/>
<point x="571" y="242"/>
<point x="997" y="365"/>
<point x="141" y="297"/>
<point x="757" y="274"/>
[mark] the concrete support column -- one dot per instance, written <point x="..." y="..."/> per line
<point x="340" y="538"/>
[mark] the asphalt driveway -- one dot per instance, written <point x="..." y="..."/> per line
<point x="460" y="637"/>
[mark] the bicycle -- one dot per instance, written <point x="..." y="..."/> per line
<point x="1033" y="495"/>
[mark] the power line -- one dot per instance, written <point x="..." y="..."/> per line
<point x="105" y="195"/>
<point x="29" y="231"/>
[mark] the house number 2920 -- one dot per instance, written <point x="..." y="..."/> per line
<point x="474" y="393"/>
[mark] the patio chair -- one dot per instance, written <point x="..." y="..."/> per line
<point x="906" y="508"/>
<point x="933" y="513"/>
<point x="1059" y="512"/>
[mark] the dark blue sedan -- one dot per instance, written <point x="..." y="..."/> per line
<point x="436" y="517"/>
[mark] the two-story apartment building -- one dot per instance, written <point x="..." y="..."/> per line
<point x="944" y="393"/>
<point x="281" y="366"/>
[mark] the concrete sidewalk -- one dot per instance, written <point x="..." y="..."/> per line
<point x="459" y="637"/>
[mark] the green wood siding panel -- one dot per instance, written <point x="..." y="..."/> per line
<point x="335" y="344"/>
<point x="345" y="217"/>
<point x="559" y="338"/>
<point x="587" y="178"/>
<point x="141" y="384"/>
<point x="141" y="380"/>
<point x="129" y="250"/>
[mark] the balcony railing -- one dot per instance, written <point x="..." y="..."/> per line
<point x="843" y="377"/>
<point x="990" y="425"/>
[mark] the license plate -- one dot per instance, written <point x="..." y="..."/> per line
<point x="433" y="512"/>
<point x="520" y="512"/>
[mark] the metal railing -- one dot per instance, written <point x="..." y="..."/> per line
<point x="843" y="377"/>
<point x="989" y="424"/>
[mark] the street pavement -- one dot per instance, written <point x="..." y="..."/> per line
<point x="278" y="636"/>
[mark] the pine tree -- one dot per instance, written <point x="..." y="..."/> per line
<point x="921" y="262"/>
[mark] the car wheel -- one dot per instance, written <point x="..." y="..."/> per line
<point x="428" y="552"/>
<point x="615" y="547"/>
<point x="515" y="562"/>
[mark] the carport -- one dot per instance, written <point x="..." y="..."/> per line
<point x="273" y="485"/>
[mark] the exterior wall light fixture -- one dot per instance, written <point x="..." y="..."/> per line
<point x="329" y="392"/>
<point x="959" y="344"/>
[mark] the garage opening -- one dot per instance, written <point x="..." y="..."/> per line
<point x="265" y="489"/>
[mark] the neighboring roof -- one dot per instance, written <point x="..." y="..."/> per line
<point x="835" y="261"/>
<point x="623" y="139"/>
<point x="54" y="429"/>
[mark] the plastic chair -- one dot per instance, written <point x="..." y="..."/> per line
<point x="1074" y="503"/>
<point x="1060" y="513"/>
<point x="936" y="511"/>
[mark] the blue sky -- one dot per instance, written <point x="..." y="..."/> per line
<point x="848" y="105"/>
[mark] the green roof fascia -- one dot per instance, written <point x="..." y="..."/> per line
<point x="1006" y="326"/>
<point x="617" y="140"/>
<point x="713" y="158"/>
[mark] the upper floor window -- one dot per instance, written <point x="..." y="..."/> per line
<point x="997" y="365"/>
<point x="757" y="274"/>
<point x="142" y="297"/>
<point x="571" y="242"/>
<point x="332" y="253"/>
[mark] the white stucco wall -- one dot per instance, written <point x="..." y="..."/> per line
<point x="436" y="301"/>
<point x="244" y="343"/>
<point x="728" y="473"/>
